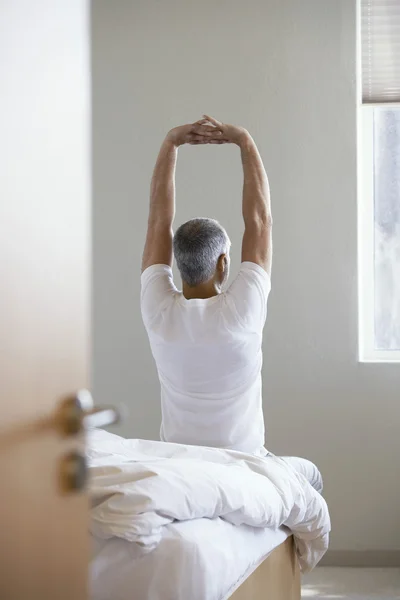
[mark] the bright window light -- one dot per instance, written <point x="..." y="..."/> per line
<point x="379" y="233"/>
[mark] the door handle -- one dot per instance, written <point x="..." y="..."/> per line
<point x="78" y="413"/>
<point x="73" y="472"/>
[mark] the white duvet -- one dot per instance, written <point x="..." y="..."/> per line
<point x="138" y="487"/>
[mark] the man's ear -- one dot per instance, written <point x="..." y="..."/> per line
<point x="222" y="263"/>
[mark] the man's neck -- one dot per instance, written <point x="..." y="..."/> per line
<point x="203" y="291"/>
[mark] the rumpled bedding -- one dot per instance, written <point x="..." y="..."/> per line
<point x="137" y="487"/>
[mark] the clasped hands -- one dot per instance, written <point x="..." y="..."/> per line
<point x="207" y="131"/>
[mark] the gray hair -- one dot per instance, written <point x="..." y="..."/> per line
<point x="198" y="244"/>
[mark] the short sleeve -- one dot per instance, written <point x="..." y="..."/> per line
<point x="249" y="294"/>
<point x="157" y="288"/>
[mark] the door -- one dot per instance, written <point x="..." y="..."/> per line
<point x="44" y="298"/>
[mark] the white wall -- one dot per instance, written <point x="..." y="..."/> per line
<point x="285" y="70"/>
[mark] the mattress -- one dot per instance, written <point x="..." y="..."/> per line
<point x="198" y="560"/>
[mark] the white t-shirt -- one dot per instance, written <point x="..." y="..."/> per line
<point x="209" y="357"/>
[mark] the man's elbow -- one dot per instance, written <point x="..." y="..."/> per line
<point x="160" y="223"/>
<point x="260" y="220"/>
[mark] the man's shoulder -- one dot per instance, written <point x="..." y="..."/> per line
<point x="248" y="295"/>
<point x="253" y="271"/>
<point x="251" y="279"/>
<point x="157" y="290"/>
<point x="154" y="272"/>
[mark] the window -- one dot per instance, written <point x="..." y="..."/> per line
<point x="379" y="247"/>
<point x="379" y="181"/>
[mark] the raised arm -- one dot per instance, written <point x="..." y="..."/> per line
<point x="257" y="239"/>
<point x="158" y="246"/>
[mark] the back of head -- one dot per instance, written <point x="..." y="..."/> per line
<point x="198" y="244"/>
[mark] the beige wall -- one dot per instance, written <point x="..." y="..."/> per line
<point x="286" y="70"/>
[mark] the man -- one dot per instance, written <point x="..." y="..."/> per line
<point x="207" y="340"/>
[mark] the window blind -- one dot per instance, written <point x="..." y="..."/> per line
<point x="380" y="50"/>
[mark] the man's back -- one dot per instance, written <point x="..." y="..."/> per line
<point x="207" y="344"/>
<point x="208" y="356"/>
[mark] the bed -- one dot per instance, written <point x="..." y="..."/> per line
<point x="277" y="577"/>
<point x="148" y="544"/>
<point x="201" y="561"/>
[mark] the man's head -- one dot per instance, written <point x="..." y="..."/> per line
<point x="201" y="249"/>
